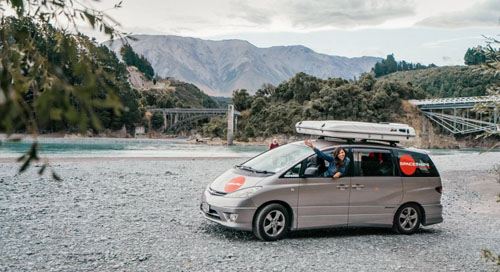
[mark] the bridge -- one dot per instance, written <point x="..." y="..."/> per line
<point x="175" y="118"/>
<point x="456" y="115"/>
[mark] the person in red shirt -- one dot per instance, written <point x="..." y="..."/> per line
<point x="274" y="144"/>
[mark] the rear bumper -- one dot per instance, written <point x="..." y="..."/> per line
<point x="433" y="214"/>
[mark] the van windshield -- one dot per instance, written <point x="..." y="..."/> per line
<point x="276" y="159"/>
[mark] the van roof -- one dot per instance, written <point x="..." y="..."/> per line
<point x="322" y="144"/>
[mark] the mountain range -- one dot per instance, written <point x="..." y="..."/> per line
<point x="219" y="67"/>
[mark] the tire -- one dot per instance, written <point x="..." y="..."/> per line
<point x="271" y="222"/>
<point x="407" y="219"/>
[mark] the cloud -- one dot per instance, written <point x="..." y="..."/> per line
<point x="446" y="42"/>
<point x="482" y="14"/>
<point x="319" y="14"/>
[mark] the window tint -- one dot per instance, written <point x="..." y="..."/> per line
<point x="373" y="163"/>
<point x="414" y="164"/>
<point x="294" y="172"/>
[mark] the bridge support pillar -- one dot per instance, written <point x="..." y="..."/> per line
<point x="230" y="124"/>
<point x="164" y="120"/>
<point x="455" y="129"/>
<point x="235" y="124"/>
<point x="495" y="115"/>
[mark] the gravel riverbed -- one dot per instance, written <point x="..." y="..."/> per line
<point x="143" y="215"/>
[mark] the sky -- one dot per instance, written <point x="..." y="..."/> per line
<point x="425" y="31"/>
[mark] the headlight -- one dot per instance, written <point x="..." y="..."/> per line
<point x="243" y="192"/>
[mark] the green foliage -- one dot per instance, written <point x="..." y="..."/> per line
<point x="48" y="77"/>
<point x="177" y="95"/>
<point x="216" y="127"/>
<point x="492" y="67"/>
<point x="241" y="100"/>
<point x="132" y="59"/>
<point x="475" y="56"/>
<point x="222" y="101"/>
<point x="389" y="66"/>
<point x="157" y="120"/>
<point x="304" y="97"/>
<point x="448" y="81"/>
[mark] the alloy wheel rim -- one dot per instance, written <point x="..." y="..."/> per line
<point x="274" y="223"/>
<point x="408" y="218"/>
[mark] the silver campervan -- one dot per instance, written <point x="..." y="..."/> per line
<point x="284" y="189"/>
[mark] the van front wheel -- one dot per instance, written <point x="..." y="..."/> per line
<point x="271" y="223"/>
<point x="407" y="219"/>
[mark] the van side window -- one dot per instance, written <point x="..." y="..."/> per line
<point x="413" y="164"/>
<point x="319" y="163"/>
<point x="294" y="172"/>
<point x="373" y="163"/>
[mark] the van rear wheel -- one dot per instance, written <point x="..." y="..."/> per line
<point x="271" y="222"/>
<point x="407" y="219"/>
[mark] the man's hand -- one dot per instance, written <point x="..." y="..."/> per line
<point x="337" y="175"/>
<point x="308" y="143"/>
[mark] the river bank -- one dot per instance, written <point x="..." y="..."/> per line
<point x="431" y="138"/>
<point x="143" y="214"/>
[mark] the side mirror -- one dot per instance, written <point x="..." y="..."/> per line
<point x="311" y="172"/>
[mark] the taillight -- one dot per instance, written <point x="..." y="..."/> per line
<point x="439" y="189"/>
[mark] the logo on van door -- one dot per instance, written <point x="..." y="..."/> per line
<point x="409" y="166"/>
<point x="234" y="184"/>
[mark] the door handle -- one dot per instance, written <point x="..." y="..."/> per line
<point x="358" y="186"/>
<point x="342" y="187"/>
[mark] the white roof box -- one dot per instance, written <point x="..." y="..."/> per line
<point x="388" y="132"/>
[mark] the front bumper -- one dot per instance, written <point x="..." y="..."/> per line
<point x="220" y="209"/>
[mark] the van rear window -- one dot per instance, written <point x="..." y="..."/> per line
<point x="414" y="164"/>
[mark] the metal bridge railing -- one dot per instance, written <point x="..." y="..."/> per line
<point x="459" y="122"/>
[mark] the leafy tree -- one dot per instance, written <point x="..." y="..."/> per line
<point x="157" y="120"/>
<point x="492" y="66"/>
<point x="241" y="100"/>
<point x="447" y="81"/>
<point x="267" y="90"/>
<point x="132" y="59"/>
<point x="389" y="66"/>
<point x="50" y="75"/>
<point x="475" y="56"/>
<point x="302" y="86"/>
<point x="368" y="99"/>
<point x="178" y="94"/>
<point x="216" y="127"/>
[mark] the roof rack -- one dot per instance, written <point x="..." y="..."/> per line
<point x="364" y="141"/>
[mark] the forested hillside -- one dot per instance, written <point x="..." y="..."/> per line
<point x="447" y="81"/>
<point x="275" y="110"/>
<point x="171" y="93"/>
<point x="69" y="82"/>
<point x="100" y="97"/>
